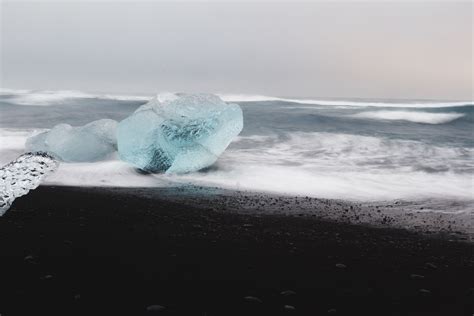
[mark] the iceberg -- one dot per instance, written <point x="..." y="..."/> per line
<point x="23" y="174"/>
<point x="178" y="133"/>
<point x="91" y="142"/>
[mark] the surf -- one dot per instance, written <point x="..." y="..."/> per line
<point x="410" y="116"/>
<point x="50" y="97"/>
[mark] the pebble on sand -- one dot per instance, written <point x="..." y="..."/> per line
<point x="29" y="258"/>
<point x="417" y="276"/>
<point x="47" y="277"/>
<point x="252" y="299"/>
<point x="155" y="308"/>
<point x="425" y="292"/>
<point x="289" y="308"/>
<point x="288" y="293"/>
<point x="431" y="265"/>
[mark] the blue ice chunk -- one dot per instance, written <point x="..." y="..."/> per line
<point x="22" y="175"/>
<point x="91" y="142"/>
<point x="178" y="133"/>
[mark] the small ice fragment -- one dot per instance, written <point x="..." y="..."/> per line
<point x="22" y="175"/>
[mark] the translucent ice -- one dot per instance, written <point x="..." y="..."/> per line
<point x="178" y="133"/>
<point x="91" y="142"/>
<point x="22" y="175"/>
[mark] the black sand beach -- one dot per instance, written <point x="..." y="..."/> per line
<point x="80" y="251"/>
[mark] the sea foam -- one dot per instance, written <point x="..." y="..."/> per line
<point x="334" y="102"/>
<point x="50" y="97"/>
<point x="326" y="165"/>
<point x="410" y="116"/>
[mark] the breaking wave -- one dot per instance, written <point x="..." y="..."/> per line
<point x="408" y="104"/>
<point x="410" y="116"/>
<point x="49" y="97"/>
<point x="343" y="166"/>
<point x="328" y="165"/>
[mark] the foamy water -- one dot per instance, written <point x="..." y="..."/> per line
<point x="359" y="150"/>
<point x="416" y="117"/>
<point x="49" y="97"/>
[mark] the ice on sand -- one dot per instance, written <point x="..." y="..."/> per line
<point x="177" y="133"/>
<point x="22" y="175"/>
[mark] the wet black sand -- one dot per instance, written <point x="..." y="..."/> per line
<point x="72" y="251"/>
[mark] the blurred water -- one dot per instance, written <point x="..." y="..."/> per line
<point x="354" y="149"/>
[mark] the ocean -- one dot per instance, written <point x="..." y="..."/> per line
<point x="361" y="150"/>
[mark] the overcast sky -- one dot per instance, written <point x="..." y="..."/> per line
<point x="320" y="49"/>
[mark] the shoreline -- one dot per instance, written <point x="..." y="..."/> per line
<point x="89" y="251"/>
<point x="424" y="216"/>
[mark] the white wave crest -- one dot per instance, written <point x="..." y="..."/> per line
<point x="410" y="116"/>
<point x="26" y="97"/>
<point x="48" y="97"/>
<point x="408" y="104"/>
